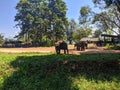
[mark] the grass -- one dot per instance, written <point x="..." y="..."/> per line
<point x="40" y="71"/>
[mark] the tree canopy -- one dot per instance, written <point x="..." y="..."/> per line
<point x="1" y="38"/>
<point x="115" y="3"/>
<point x="41" y="18"/>
<point x="109" y="17"/>
<point x="45" y="22"/>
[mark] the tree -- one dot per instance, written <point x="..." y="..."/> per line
<point x="84" y="17"/>
<point x="97" y="33"/>
<point x="107" y="20"/>
<point x="24" y="18"/>
<point x="84" y="30"/>
<point x="1" y="38"/>
<point x="70" y="31"/>
<point x="41" y="18"/>
<point x="115" y="3"/>
<point x="81" y="32"/>
<point x="57" y="19"/>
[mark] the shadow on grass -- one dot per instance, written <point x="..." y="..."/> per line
<point x="53" y="72"/>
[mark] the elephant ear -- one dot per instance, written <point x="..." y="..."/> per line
<point x="58" y="43"/>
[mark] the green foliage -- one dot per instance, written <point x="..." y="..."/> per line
<point x="115" y="3"/>
<point x="40" y="18"/>
<point x="108" y="31"/>
<point x="107" y="21"/>
<point x="71" y="30"/>
<point x="85" y="12"/>
<point x="97" y="33"/>
<point x="108" y="46"/>
<point x="84" y="20"/>
<point x="116" y="47"/>
<point x="1" y="39"/>
<point x="81" y="32"/>
<point x="59" y="72"/>
<point x="108" y="18"/>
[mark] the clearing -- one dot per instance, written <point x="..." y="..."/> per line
<point x="91" y="49"/>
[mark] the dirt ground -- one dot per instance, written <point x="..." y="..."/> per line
<point x="91" y="49"/>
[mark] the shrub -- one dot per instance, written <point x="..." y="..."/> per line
<point x="116" y="47"/>
<point x="108" y="46"/>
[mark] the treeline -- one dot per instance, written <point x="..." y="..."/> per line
<point x="43" y="22"/>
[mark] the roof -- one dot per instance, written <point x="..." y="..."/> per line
<point x="90" y="39"/>
<point x="107" y="35"/>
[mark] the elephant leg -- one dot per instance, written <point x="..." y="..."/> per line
<point x="59" y="51"/>
<point x="67" y="51"/>
<point x="81" y="48"/>
<point x="78" y="48"/>
<point x="64" y="51"/>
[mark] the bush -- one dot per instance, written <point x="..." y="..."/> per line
<point x="47" y="44"/>
<point x="116" y="47"/>
<point x="108" y="46"/>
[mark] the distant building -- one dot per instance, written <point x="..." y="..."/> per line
<point x="90" y="39"/>
<point x="112" y="38"/>
<point x="96" y="41"/>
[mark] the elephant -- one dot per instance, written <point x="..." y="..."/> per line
<point x="81" y="45"/>
<point x="61" y="46"/>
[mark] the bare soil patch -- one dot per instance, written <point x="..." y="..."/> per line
<point x="91" y="49"/>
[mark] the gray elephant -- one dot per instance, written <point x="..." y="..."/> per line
<point x="61" y="46"/>
<point x="81" y="45"/>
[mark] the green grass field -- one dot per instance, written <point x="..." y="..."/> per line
<point x="37" y="71"/>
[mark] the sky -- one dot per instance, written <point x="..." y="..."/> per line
<point x="8" y="12"/>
